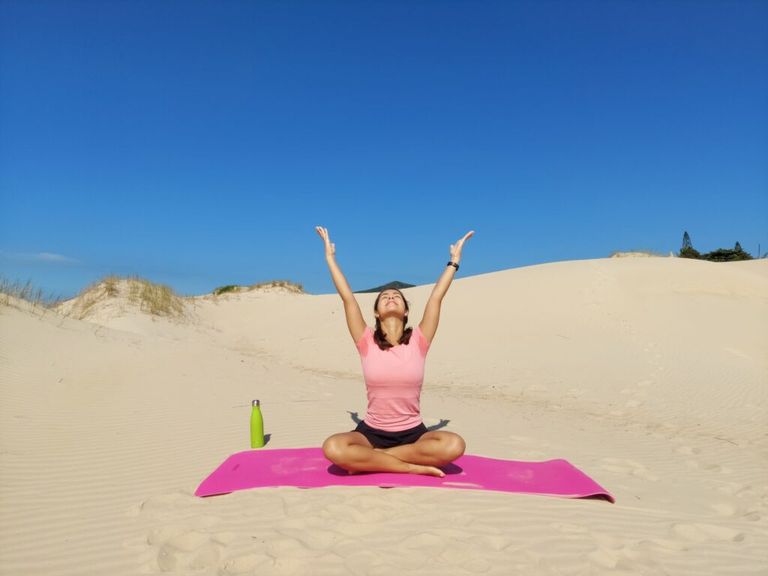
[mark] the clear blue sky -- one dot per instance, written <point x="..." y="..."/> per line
<point x="198" y="143"/>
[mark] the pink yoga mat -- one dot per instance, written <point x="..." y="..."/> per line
<point x="308" y="468"/>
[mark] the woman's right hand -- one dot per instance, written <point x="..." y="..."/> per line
<point x="354" y="317"/>
<point x="330" y="248"/>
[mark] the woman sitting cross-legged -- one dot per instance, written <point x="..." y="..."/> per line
<point x="392" y="436"/>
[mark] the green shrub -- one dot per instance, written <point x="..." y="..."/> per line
<point x="224" y="289"/>
<point x="719" y="255"/>
<point x="285" y="284"/>
<point x="726" y="255"/>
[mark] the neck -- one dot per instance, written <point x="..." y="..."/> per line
<point x="393" y="329"/>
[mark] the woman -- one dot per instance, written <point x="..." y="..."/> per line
<point x="392" y="437"/>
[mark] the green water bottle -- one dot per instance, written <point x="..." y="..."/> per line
<point x="257" y="425"/>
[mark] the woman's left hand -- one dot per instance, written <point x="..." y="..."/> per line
<point x="456" y="248"/>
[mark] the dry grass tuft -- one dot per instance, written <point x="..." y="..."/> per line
<point x="637" y="254"/>
<point x="11" y="292"/>
<point x="155" y="299"/>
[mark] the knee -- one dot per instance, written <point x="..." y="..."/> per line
<point x="451" y="446"/>
<point x="455" y="446"/>
<point x="332" y="449"/>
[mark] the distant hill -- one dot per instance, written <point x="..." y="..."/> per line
<point x="394" y="284"/>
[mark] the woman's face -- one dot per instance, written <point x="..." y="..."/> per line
<point x="391" y="303"/>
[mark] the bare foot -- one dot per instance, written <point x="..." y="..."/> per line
<point x="427" y="470"/>
<point x="385" y="451"/>
<point x="417" y="468"/>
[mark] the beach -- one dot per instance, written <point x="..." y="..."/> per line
<point x="648" y="374"/>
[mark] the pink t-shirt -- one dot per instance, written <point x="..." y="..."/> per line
<point x="393" y="380"/>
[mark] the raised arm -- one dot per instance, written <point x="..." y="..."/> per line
<point x="355" y="321"/>
<point x="431" y="317"/>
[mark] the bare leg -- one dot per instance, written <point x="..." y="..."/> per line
<point x="353" y="452"/>
<point x="432" y="449"/>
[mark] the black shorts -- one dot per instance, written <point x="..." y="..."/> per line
<point x="383" y="439"/>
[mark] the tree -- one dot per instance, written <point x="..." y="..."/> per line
<point x="688" y="251"/>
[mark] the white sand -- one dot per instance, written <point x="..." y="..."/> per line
<point x="649" y="374"/>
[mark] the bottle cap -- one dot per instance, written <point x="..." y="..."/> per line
<point x="255" y="403"/>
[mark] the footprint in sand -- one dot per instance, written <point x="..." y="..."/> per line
<point x="729" y="510"/>
<point x="363" y="561"/>
<point x="664" y="545"/>
<point x="706" y="533"/>
<point x="424" y="542"/>
<point x="288" y="548"/>
<point x="245" y="564"/>
<point x="724" y="509"/>
<point x="753" y="516"/>
<point x="566" y="528"/>
<point x="160" y="504"/>
<point x="633" y="556"/>
<point x="737" y="489"/>
<point x="188" y="551"/>
<point x="697" y="465"/>
<point x="626" y="560"/>
<point x="458" y="554"/>
<point x="360" y="515"/>
<point x="317" y="539"/>
<point x="180" y="546"/>
<point x="288" y="566"/>
<point x="494" y="542"/>
<point x="627" y="468"/>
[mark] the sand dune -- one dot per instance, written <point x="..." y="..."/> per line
<point x="650" y="374"/>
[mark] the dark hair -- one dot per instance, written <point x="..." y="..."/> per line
<point x="378" y="334"/>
